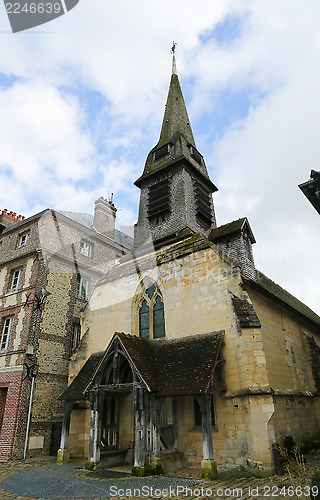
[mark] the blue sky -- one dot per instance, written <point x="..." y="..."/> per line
<point x="82" y="100"/>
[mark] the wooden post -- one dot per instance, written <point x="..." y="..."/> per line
<point x="155" y="411"/>
<point x="95" y="427"/>
<point x="63" y="454"/>
<point x="66" y="425"/>
<point x="206" y="418"/>
<point x="141" y="421"/>
<point x="208" y="465"/>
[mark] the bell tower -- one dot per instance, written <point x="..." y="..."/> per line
<point x="176" y="191"/>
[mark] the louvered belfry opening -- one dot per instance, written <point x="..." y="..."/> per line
<point x="203" y="203"/>
<point x="159" y="198"/>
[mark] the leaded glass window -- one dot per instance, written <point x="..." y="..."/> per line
<point x="151" y="314"/>
<point x="151" y="291"/>
<point x="144" y="323"/>
<point x="158" y="318"/>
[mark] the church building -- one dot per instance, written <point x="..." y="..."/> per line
<point x="189" y="355"/>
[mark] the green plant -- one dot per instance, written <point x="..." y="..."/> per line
<point x="147" y="471"/>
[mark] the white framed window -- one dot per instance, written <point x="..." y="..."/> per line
<point x="6" y="333"/>
<point x="82" y="287"/>
<point x="76" y="335"/>
<point x="15" y="281"/>
<point x="86" y="249"/>
<point x="23" y="240"/>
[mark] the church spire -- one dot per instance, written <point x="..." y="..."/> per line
<point x="175" y="185"/>
<point x="176" y="120"/>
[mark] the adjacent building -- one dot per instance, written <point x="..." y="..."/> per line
<point x="311" y="189"/>
<point x="49" y="264"/>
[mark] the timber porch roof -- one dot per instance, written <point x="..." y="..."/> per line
<point x="167" y="367"/>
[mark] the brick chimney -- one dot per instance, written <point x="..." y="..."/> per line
<point x="104" y="217"/>
<point x="8" y="219"/>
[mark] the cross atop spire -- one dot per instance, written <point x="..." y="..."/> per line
<point x="173" y="52"/>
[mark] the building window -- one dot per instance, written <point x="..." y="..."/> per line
<point x="151" y="314"/>
<point x="23" y="240"/>
<point x="85" y="249"/>
<point x="162" y="152"/>
<point x="15" y="281"/>
<point x="82" y="287"/>
<point x="6" y="333"/>
<point x="76" y="335"/>
<point x="144" y="322"/>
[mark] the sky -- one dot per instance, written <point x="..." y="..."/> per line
<point x="82" y="99"/>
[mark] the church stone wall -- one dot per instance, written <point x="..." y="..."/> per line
<point x="79" y="432"/>
<point x="288" y="363"/>
<point x="197" y="290"/>
<point x="240" y="435"/>
<point x="284" y="337"/>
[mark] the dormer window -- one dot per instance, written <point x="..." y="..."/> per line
<point x="195" y="154"/>
<point x="86" y="249"/>
<point x="161" y="152"/>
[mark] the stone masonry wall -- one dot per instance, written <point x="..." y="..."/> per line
<point x="197" y="290"/>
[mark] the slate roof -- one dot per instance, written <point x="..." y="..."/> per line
<point x="268" y="287"/>
<point x="134" y="262"/>
<point x="246" y="313"/>
<point x="76" y="389"/>
<point x="175" y="367"/>
<point x="86" y="220"/>
<point x="175" y="125"/>
<point x="168" y="367"/>
<point x="231" y="228"/>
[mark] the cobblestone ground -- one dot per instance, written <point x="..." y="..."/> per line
<point x="294" y="484"/>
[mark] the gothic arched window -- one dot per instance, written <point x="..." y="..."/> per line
<point x="151" y="314"/>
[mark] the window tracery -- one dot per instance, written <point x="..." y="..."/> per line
<point x="151" y="314"/>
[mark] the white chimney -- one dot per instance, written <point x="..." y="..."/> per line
<point x="104" y="217"/>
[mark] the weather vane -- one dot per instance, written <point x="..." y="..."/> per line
<point x="173" y="48"/>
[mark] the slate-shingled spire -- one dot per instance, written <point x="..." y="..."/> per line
<point x="176" y="120"/>
<point x="176" y="191"/>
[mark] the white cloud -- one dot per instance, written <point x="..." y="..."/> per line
<point x="42" y="144"/>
